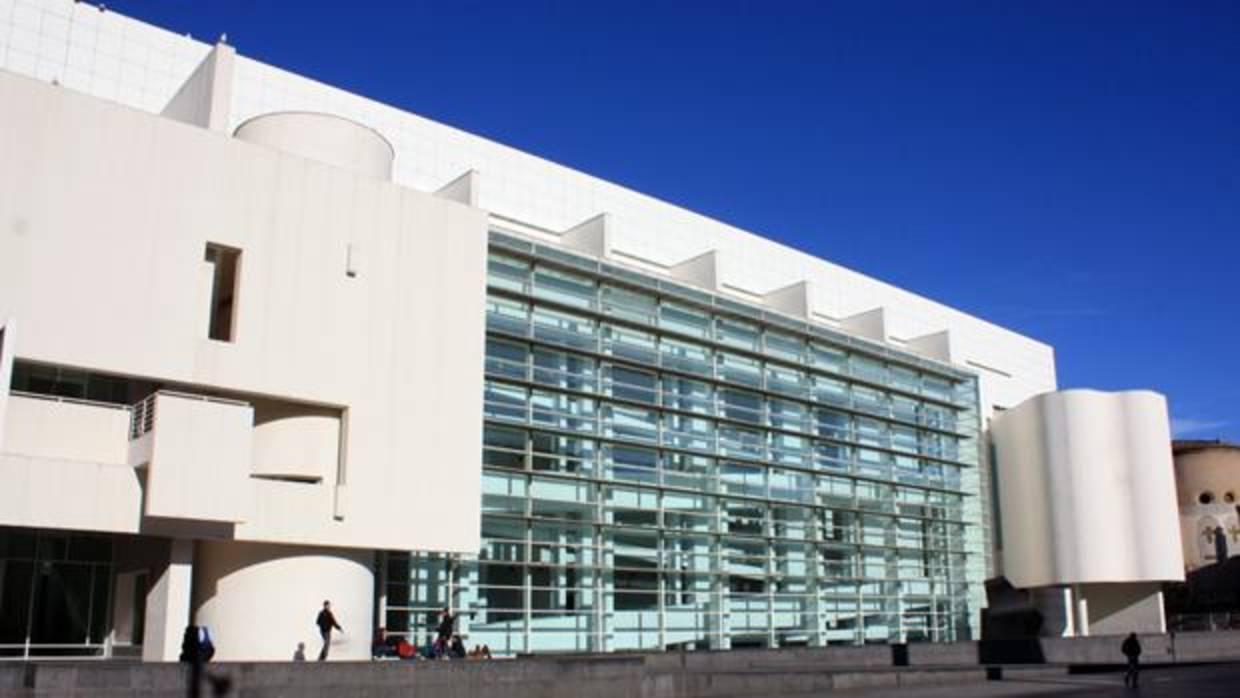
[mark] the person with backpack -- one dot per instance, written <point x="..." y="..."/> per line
<point x="326" y="621"/>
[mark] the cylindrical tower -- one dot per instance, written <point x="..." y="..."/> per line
<point x="326" y="138"/>
<point x="1207" y="483"/>
<point x="260" y="601"/>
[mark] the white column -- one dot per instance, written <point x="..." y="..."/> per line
<point x="167" y="605"/>
<point x="1080" y="612"/>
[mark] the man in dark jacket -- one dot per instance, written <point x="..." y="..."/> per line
<point x="446" y="620"/>
<point x="326" y="621"/>
<point x="1132" y="650"/>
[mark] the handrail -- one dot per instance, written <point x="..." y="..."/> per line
<point x="69" y="400"/>
<point x="202" y="398"/>
<point x="143" y="419"/>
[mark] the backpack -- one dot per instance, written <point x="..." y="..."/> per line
<point x="206" y="648"/>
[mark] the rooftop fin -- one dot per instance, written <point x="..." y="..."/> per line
<point x="463" y="189"/>
<point x="936" y="345"/>
<point x="701" y="271"/>
<point x="205" y="98"/>
<point x="793" y="299"/>
<point x="871" y="324"/>
<point x="592" y="236"/>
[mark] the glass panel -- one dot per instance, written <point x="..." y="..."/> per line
<point x="630" y="305"/>
<point x="564" y="328"/>
<point x="506" y="359"/>
<point x="738" y="333"/>
<point x="685" y="320"/>
<point x="630" y="344"/>
<point x="630" y="384"/>
<point x="785" y="346"/>
<point x="739" y="369"/>
<point x="508" y="273"/>
<point x="684" y="356"/>
<point x="564" y="287"/>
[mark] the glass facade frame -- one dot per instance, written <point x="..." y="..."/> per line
<point x="665" y="468"/>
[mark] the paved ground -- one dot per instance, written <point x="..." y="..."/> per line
<point x="1210" y="681"/>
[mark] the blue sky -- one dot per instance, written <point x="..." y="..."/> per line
<point x="1067" y="169"/>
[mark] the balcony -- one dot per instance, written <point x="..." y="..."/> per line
<point x="196" y="453"/>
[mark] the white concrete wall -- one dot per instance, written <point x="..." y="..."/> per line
<point x="260" y="601"/>
<point x="8" y="339"/>
<point x="1086" y="489"/>
<point x="67" y="430"/>
<point x="50" y="39"/>
<point x="323" y="138"/>
<point x="168" y="604"/>
<point x="397" y="348"/>
<point x="55" y="493"/>
<point x="199" y="460"/>
<point x="1119" y="609"/>
<point x="295" y="442"/>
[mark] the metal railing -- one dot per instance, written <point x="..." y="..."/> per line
<point x="142" y="417"/>
<point x="1223" y="620"/>
<point x="69" y="400"/>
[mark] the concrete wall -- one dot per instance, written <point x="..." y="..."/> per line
<point x="8" y="337"/>
<point x="1117" y="609"/>
<point x="323" y="138"/>
<point x="122" y="204"/>
<point x="198" y="466"/>
<point x="1086" y="489"/>
<point x="70" y="494"/>
<point x="550" y="197"/>
<point x="58" y="429"/>
<point x="788" y="672"/>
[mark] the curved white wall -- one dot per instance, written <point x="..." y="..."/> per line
<point x="295" y="441"/>
<point x="323" y="137"/>
<point x="1087" y="490"/>
<point x="261" y="600"/>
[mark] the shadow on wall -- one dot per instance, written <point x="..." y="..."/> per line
<point x="1211" y="589"/>
<point x="1024" y="650"/>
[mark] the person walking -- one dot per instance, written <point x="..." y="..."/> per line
<point x="446" y="620"/>
<point x="1132" y="650"/>
<point x="326" y="621"/>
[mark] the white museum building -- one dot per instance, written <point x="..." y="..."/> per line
<point x="265" y="342"/>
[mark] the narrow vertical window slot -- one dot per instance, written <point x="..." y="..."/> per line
<point x="224" y="263"/>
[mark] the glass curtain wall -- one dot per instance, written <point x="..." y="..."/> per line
<point x="54" y="591"/>
<point x="666" y="468"/>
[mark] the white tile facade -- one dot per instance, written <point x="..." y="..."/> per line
<point x="114" y="57"/>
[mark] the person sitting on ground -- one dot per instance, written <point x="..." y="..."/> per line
<point x="457" y="647"/>
<point x="381" y="646"/>
<point x="486" y="652"/>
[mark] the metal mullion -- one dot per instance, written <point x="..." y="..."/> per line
<point x="716" y="345"/>
<point x="720" y="306"/>
<point x="599" y="437"/>
<point x="767" y="395"/>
